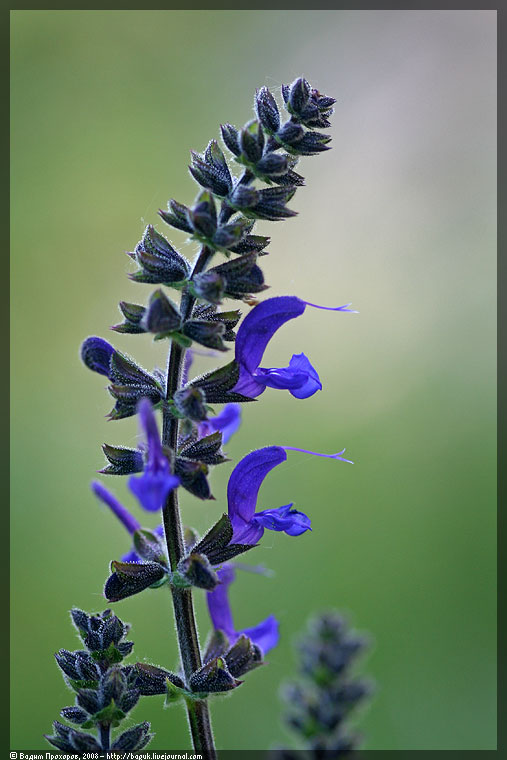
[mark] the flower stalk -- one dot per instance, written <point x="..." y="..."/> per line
<point x="188" y="639"/>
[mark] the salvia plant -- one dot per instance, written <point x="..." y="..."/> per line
<point x="221" y="220"/>
<point x="323" y="700"/>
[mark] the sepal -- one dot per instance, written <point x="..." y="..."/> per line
<point x="243" y="657"/>
<point x="134" y="739"/>
<point x="133" y="314"/>
<point x="150" y="547"/>
<point x="211" y="170"/>
<point x="162" y="315"/>
<point x="268" y="203"/>
<point x="129" y="578"/>
<point x="242" y="276"/>
<point x="122" y="461"/>
<point x="74" y="715"/>
<point x="196" y="570"/>
<point x="209" y="286"/>
<point x="151" y="680"/>
<point x="217" y="385"/>
<point x="193" y="478"/>
<point x="159" y="262"/>
<point x="190" y="402"/>
<point x="207" y="450"/>
<point x="267" y="110"/>
<point x="209" y="334"/>
<point x="216" y="543"/>
<point x="216" y="645"/>
<point x="69" y="740"/>
<point x="214" y="677"/>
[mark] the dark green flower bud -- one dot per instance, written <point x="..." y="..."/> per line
<point x="207" y="450"/>
<point x="177" y="216"/>
<point x="151" y="680"/>
<point x="209" y="334"/>
<point x="273" y="165"/>
<point x="299" y="94"/>
<point x="190" y="402"/>
<point x="149" y="546"/>
<point x="197" y="570"/>
<point x="129" y="578"/>
<point x="215" y="544"/>
<point x="213" y="677"/>
<point x="74" y="715"/>
<point x="209" y="286"/>
<point x="242" y="276"/>
<point x="135" y="739"/>
<point x="251" y="141"/>
<point x="88" y="699"/>
<point x="159" y="262"/>
<point x="268" y="203"/>
<point x="122" y="461"/>
<point x="230" y="138"/>
<point x="251" y="243"/>
<point x="162" y="315"/>
<point x="193" y="478"/>
<point x="267" y="110"/>
<point x="133" y="314"/>
<point x="83" y="742"/>
<point x="217" y="385"/>
<point x="243" y="657"/>
<point x="203" y="216"/>
<point x="211" y="171"/>
<point x="216" y="645"/>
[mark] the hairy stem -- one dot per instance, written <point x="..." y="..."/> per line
<point x="188" y="640"/>
<point x="104" y="735"/>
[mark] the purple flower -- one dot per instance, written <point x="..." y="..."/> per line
<point x="228" y="421"/>
<point x="96" y="353"/>
<point x="300" y="378"/>
<point x="265" y="635"/>
<point x="153" y="486"/>
<point x="127" y="520"/>
<point x="243" y="488"/>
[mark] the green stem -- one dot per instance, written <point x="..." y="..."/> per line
<point x="104" y="735"/>
<point x="188" y="640"/>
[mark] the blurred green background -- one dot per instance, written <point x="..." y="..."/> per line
<point x="399" y="219"/>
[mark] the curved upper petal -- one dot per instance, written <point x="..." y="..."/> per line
<point x="260" y="325"/>
<point x="266" y="634"/>
<point x="246" y="479"/>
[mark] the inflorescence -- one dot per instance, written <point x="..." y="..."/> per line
<point x="221" y="221"/>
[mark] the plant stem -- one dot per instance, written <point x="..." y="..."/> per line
<point x="104" y="735"/>
<point x="188" y="640"/>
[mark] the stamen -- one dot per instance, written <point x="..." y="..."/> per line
<point x="333" y="308"/>
<point x="316" y="454"/>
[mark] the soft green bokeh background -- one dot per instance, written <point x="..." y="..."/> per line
<point x="399" y="219"/>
